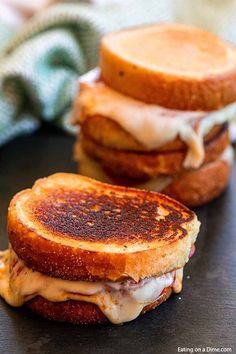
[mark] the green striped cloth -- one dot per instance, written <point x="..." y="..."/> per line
<point x="39" y="68"/>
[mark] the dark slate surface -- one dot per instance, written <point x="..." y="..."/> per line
<point x="204" y="315"/>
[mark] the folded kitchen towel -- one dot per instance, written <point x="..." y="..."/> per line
<point x="39" y="68"/>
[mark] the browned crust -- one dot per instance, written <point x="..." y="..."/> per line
<point x="79" y="312"/>
<point x="192" y="188"/>
<point x="108" y="133"/>
<point x="59" y="255"/>
<point x="177" y="91"/>
<point x="195" y="188"/>
<point x="145" y="165"/>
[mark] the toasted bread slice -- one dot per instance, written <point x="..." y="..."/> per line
<point x="108" y="133"/>
<point x="141" y="165"/>
<point x="73" y="227"/>
<point x="192" y="188"/>
<point x="79" y="312"/>
<point x="172" y="65"/>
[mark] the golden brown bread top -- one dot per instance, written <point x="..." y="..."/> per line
<point x="75" y="227"/>
<point x="179" y="66"/>
<point x="195" y="51"/>
<point x="71" y="207"/>
<point x="93" y="217"/>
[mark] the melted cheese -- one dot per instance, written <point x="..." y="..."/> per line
<point x="151" y="125"/>
<point x="232" y="130"/>
<point x="228" y="155"/>
<point x="119" y="301"/>
<point x="177" y="286"/>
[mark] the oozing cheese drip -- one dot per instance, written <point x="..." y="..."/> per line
<point x="151" y="125"/>
<point x="119" y="301"/>
<point x="228" y="155"/>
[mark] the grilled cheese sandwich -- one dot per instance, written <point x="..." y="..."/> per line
<point x="145" y="117"/>
<point x="75" y="242"/>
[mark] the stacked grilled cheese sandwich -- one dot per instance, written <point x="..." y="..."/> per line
<point x="86" y="252"/>
<point x="155" y="115"/>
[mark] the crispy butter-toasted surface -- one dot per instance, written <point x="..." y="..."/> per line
<point x="196" y="51"/>
<point x="180" y="66"/>
<point x="94" y="212"/>
<point x="73" y="227"/>
<point x="93" y="217"/>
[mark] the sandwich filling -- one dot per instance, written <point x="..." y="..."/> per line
<point x="93" y="169"/>
<point x="119" y="301"/>
<point x="151" y="125"/>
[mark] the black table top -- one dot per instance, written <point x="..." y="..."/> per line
<point x="203" y="315"/>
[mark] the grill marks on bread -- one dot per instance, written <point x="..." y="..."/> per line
<point x="51" y="229"/>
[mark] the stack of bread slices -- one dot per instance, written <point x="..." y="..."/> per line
<point x="156" y="113"/>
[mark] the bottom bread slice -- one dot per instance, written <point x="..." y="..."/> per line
<point x="192" y="188"/>
<point x="80" y="312"/>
